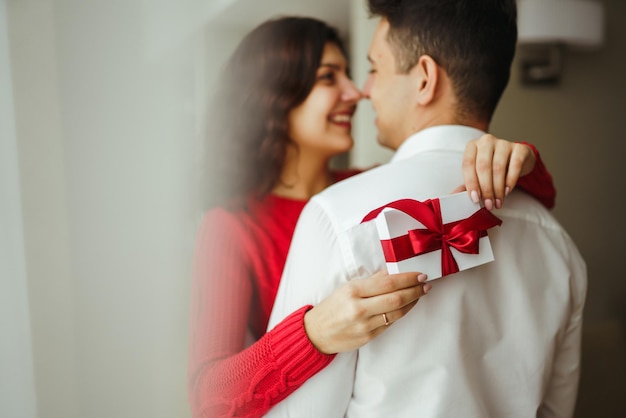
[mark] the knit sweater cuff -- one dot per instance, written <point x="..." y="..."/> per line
<point x="297" y="357"/>
<point x="539" y="182"/>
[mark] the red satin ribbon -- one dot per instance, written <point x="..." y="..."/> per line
<point x="464" y="235"/>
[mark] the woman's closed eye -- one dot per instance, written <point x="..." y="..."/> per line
<point x="328" y="77"/>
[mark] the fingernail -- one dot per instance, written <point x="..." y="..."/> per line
<point x="488" y="204"/>
<point x="474" y="196"/>
<point x="422" y="278"/>
<point x="498" y="203"/>
<point x="427" y="287"/>
<point x="507" y="190"/>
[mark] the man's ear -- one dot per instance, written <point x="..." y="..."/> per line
<point x="426" y="75"/>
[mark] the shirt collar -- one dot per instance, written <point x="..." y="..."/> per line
<point x="437" y="138"/>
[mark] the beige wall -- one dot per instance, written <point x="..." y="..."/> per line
<point x="579" y="129"/>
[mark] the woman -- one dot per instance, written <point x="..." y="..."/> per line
<point x="286" y="105"/>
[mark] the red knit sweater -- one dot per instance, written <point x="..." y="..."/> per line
<point x="235" y="368"/>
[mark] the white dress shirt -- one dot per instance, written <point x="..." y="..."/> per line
<point x="499" y="340"/>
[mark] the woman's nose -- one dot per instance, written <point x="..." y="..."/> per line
<point x="351" y="92"/>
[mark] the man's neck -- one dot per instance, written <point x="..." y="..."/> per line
<point x="441" y="118"/>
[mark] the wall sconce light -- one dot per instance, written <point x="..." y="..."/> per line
<point x="546" y="28"/>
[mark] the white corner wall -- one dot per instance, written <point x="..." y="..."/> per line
<point x="110" y="100"/>
<point x="44" y="206"/>
<point x="17" y="382"/>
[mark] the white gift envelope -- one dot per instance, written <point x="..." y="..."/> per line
<point x="394" y="228"/>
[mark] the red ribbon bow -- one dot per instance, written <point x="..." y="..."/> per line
<point x="464" y="235"/>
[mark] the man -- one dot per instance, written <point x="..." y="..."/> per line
<point x="499" y="340"/>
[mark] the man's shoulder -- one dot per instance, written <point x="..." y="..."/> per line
<point x="522" y="206"/>
<point x="530" y="220"/>
<point x="347" y="200"/>
<point x="419" y="177"/>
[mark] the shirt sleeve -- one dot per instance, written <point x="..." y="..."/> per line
<point x="560" y="398"/>
<point x="314" y="268"/>
<point x="538" y="183"/>
<point x="225" y="377"/>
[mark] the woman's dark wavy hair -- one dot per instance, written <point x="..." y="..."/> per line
<point x="271" y="72"/>
<point x="472" y="40"/>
